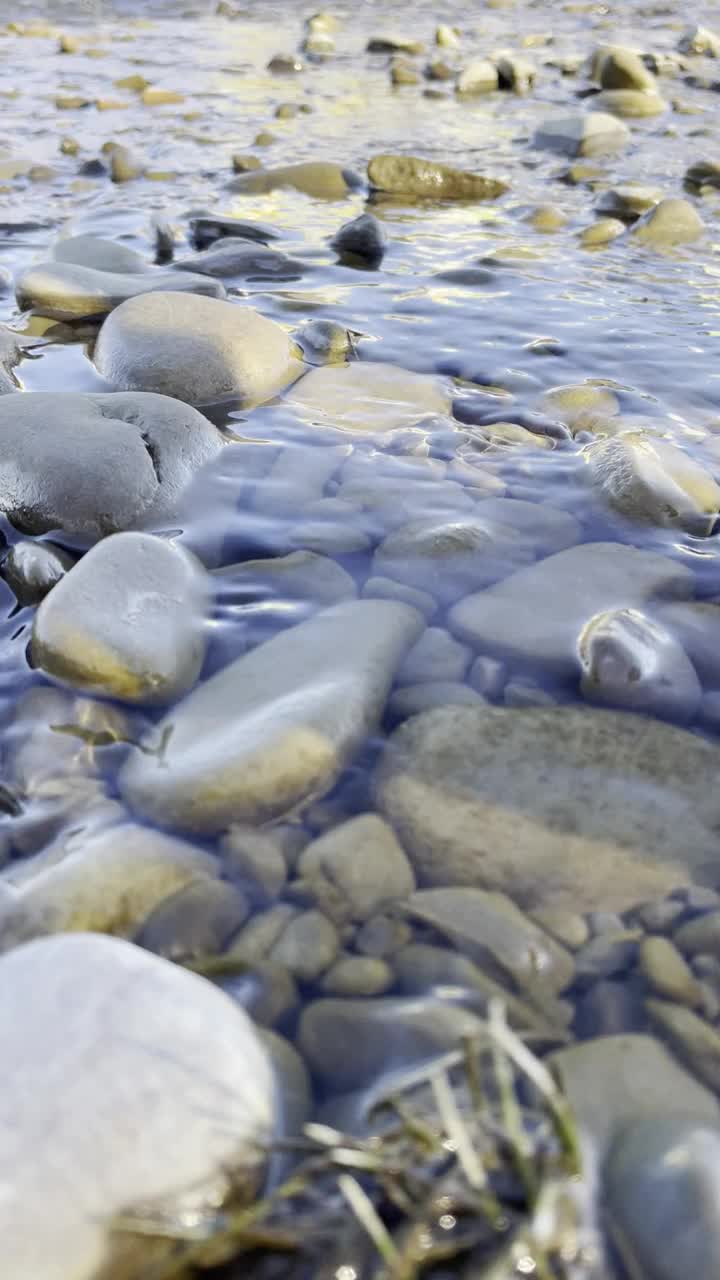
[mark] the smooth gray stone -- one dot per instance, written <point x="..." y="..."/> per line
<point x="97" y="464"/>
<point x="357" y="868"/>
<point x="200" y="350"/>
<point x="696" y="625"/>
<point x="511" y="621"/>
<point x="205" y="229"/>
<point x="700" y="935"/>
<point x="349" y="1043"/>
<point x="545" y="527"/>
<point x="651" y="481"/>
<point x="126" y="622"/>
<point x="673" y="221"/>
<point x="662" y="1191"/>
<point x="317" y="178"/>
<point x="232" y="257"/>
<point x="612" y="1081"/>
<point x="451" y="557"/>
<point x="364" y="237"/>
<point x="197" y="921"/>
<point x="301" y="575"/>
<point x="570" y="807"/>
<point x="68" y="291"/>
<point x="695" y="1042"/>
<point x="435" y="656"/>
<point x="31" y="569"/>
<point x="102" y="255"/>
<point x="127" y="1081"/>
<point x="274" y="729"/>
<point x="591" y="133"/>
<point x="628" y="660"/>
<point x="411" y="699"/>
<point x="624" y="69"/>
<point x="494" y="933"/>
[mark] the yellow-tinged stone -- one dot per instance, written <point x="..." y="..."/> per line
<point x="153" y="97"/>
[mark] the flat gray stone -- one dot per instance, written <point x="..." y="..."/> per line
<point x="301" y="575"/>
<point x="695" y="1042"/>
<point x="511" y="621"/>
<point x="411" y="699"/>
<point x="357" y="868"/>
<point x="199" y="350"/>
<point x="97" y="464"/>
<point x="451" y="557"/>
<point x="613" y="1081"/>
<point x="127" y="1081"/>
<point x="126" y="622"/>
<point x="249" y="261"/>
<point x="317" y="178"/>
<point x="69" y="291"/>
<point x="368" y="398"/>
<point x="435" y="656"/>
<point x="591" y="133"/>
<point x="101" y="255"/>
<point x="569" y="807"/>
<point x="273" y="730"/>
<point x="661" y="1192"/>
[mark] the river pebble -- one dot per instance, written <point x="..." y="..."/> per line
<point x="70" y="291"/>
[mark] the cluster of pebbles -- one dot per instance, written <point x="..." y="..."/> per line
<point x="371" y="691"/>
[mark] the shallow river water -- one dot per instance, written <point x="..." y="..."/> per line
<point x="388" y="689"/>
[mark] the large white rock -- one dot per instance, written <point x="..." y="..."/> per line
<point x="571" y="807"/>
<point x="369" y="397"/>
<point x="126" y="1081"/>
<point x="274" y="729"/>
<point x="126" y="621"/>
<point x="200" y="350"/>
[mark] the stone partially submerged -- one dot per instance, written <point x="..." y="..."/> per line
<point x="318" y="178"/>
<point x="196" y="349"/>
<point x="654" y="482"/>
<point x="592" y="133"/>
<point x="127" y="1082"/>
<point x="572" y="807"/>
<point x="412" y="176"/>
<point x="369" y="397"/>
<point x="69" y="291"/>
<point x="273" y="730"/>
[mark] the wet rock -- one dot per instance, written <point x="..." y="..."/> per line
<point x="566" y="927"/>
<point x="594" y="133"/>
<point x="124" y="167"/>
<point x="68" y="291"/>
<point x="606" y="956"/>
<point x="629" y="201"/>
<point x="511" y="621"/>
<point x="602" y="232"/>
<point x="665" y="970"/>
<point x="102" y="255"/>
<point x="673" y="221"/>
<point x="654" y="482"/>
<point x="234" y="258"/>
<point x="411" y="176"/>
<point x="264" y="735"/>
<point x="195" y="922"/>
<point x="515" y="72"/>
<point x="126" y="622"/>
<point x="582" y="406"/>
<point x="285" y="64"/>
<point x="205" y="230"/>
<point x="451" y="558"/>
<point x="390" y="42"/>
<point x="402" y="1031"/>
<point x="478" y="77"/>
<point x="242" y="163"/>
<point x="487" y="676"/>
<point x="317" y="178"/>
<point x="356" y="868"/>
<point x="547" y="219"/>
<point x="435" y="656"/>
<point x="702" y="173"/>
<point x="699" y="40"/>
<point x="264" y="138"/>
<point x="154" y="96"/>
<point x="496" y="935"/>
<point x="627" y="660"/>
<point x="307" y="947"/>
<point x="326" y="342"/>
<point x="357" y="976"/>
<point x="363" y="238"/>
<point x="695" y="627"/>
<point x="700" y="936"/>
<point x="616" y="1080"/>
<point x="107" y="881"/>
<point x="414" y="698"/>
<point x="623" y="69"/>
<point x="96" y="464"/>
<point x="403" y="72"/>
<point x="199" y="350"/>
<point x="368" y="397"/>
<point x="256" y="859"/>
<point x="378" y="588"/>
<point x="318" y="44"/>
<point x="544" y="527"/>
<point x="151" y="1088"/>
<point x="695" y="1042"/>
<point x="661" y="1184"/>
<point x="504" y="799"/>
<point x="31" y="569"/>
<point x="631" y="103"/>
<point x="301" y="575"/>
